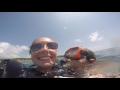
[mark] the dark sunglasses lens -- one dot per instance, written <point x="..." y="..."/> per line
<point x="36" y="47"/>
<point x="74" y="51"/>
<point x="52" y="45"/>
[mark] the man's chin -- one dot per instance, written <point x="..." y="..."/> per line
<point x="47" y="65"/>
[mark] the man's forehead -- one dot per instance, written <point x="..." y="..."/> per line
<point x="43" y="40"/>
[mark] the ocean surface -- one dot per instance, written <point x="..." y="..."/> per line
<point x="107" y="61"/>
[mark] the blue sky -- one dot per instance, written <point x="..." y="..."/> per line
<point x="94" y="30"/>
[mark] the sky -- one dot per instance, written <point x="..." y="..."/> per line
<point x="93" y="30"/>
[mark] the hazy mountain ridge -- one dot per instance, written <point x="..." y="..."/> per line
<point x="110" y="53"/>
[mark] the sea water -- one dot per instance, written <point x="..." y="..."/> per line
<point x="107" y="62"/>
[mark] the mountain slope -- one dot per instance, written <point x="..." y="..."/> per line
<point x="108" y="54"/>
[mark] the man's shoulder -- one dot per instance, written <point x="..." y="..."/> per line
<point x="11" y="68"/>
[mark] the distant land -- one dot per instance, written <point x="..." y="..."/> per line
<point x="24" y="59"/>
<point x="106" y="54"/>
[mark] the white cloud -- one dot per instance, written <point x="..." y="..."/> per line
<point x="11" y="51"/>
<point x="78" y="40"/>
<point x="100" y="38"/>
<point x="95" y="37"/>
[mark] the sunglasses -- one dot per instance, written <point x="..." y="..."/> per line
<point x="74" y="53"/>
<point x="38" y="46"/>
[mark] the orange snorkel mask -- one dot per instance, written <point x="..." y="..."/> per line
<point x="75" y="53"/>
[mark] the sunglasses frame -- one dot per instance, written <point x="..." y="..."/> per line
<point x="42" y="44"/>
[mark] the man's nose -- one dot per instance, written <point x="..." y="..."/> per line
<point x="44" y="48"/>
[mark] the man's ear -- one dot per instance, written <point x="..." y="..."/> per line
<point x="29" y="51"/>
<point x="92" y="60"/>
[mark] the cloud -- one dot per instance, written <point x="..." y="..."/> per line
<point x="11" y="51"/>
<point x="95" y="37"/>
<point x="77" y="40"/>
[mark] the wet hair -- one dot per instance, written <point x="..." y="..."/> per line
<point x="29" y="50"/>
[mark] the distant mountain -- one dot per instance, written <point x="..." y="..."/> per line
<point x="108" y="54"/>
